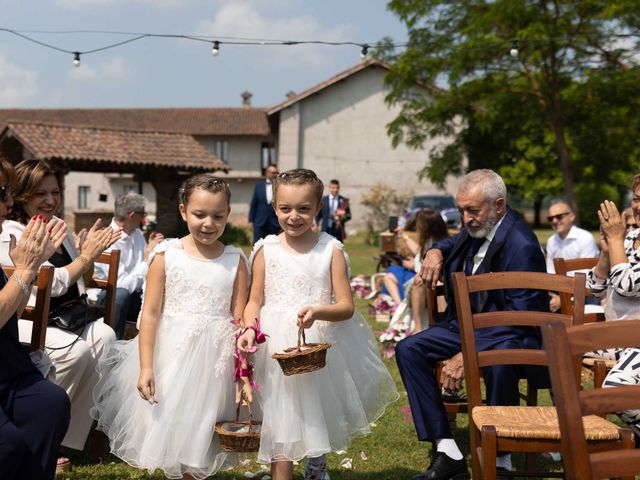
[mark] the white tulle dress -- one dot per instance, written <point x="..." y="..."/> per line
<point x="193" y="366"/>
<point x="309" y="414"/>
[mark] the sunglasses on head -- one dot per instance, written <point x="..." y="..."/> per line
<point x="559" y="216"/>
<point x="5" y="193"/>
<point x="143" y="213"/>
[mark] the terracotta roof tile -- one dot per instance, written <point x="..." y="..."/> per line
<point x="48" y="142"/>
<point x="192" y="121"/>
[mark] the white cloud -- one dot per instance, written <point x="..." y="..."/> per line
<point x="18" y="86"/>
<point x="78" y="4"/>
<point x="272" y="19"/>
<point x="116" y="69"/>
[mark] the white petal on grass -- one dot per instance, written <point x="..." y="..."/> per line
<point x="347" y="463"/>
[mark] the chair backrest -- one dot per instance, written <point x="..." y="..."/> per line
<point x="433" y="313"/>
<point x="468" y="321"/>
<point x="564" y="346"/>
<point x="112" y="259"/>
<point x="39" y="313"/>
<point x="565" y="265"/>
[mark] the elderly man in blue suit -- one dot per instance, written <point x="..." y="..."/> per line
<point x="494" y="239"/>
<point x="262" y="216"/>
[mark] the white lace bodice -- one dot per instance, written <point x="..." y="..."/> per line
<point x="197" y="295"/>
<point x="295" y="279"/>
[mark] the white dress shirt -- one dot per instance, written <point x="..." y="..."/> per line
<point x="133" y="268"/>
<point x="482" y="251"/>
<point x="269" y="192"/>
<point x="578" y="243"/>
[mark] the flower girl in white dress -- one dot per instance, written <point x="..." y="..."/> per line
<point x="295" y="275"/>
<point x="183" y="359"/>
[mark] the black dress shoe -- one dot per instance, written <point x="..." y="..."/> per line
<point x="444" y="467"/>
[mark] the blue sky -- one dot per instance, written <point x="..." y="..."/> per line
<point x="179" y="73"/>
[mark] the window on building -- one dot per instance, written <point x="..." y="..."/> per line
<point x="267" y="156"/>
<point x="222" y="150"/>
<point x="83" y="196"/>
<point x="129" y="187"/>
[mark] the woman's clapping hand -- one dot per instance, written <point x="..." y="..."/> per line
<point x="38" y="242"/>
<point x="611" y="223"/>
<point x="98" y="240"/>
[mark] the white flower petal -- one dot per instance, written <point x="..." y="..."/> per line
<point x="347" y="463"/>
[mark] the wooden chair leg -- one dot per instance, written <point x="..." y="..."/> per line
<point x="628" y="442"/>
<point x="476" y="450"/>
<point x="489" y="452"/>
<point x="599" y="373"/>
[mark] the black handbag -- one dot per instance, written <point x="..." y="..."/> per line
<point x="75" y="314"/>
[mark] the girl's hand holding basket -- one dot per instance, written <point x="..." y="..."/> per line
<point x="306" y="317"/>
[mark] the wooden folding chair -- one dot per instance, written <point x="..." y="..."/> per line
<point x="575" y="408"/>
<point x="39" y="313"/>
<point x="112" y="259"/>
<point x="563" y="266"/>
<point x="492" y="429"/>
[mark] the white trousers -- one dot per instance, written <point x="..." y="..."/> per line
<point x="75" y="371"/>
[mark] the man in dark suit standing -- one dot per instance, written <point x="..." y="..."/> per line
<point x="494" y="239"/>
<point x="335" y="212"/>
<point x="262" y="216"/>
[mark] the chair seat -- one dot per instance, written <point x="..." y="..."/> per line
<point x="590" y="362"/>
<point x="537" y="422"/>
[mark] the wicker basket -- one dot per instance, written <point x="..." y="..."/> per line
<point x="236" y="437"/>
<point x="298" y="360"/>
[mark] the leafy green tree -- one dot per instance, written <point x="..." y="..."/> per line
<point x="483" y="51"/>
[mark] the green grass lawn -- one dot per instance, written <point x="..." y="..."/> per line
<point x="391" y="452"/>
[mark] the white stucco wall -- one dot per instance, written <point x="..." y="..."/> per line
<point x="340" y="132"/>
<point x="244" y="159"/>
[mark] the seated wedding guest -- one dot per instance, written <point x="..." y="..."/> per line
<point x="494" y="239"/>
<point x="629" y="219"/>
<point x="129" y="213"/>
<point x="74" y="352"/>
<point x="412" y="242"/>
<point x="429" y="228"/>
<point x="568" y="241"/>
<point x="34" y="413"/>
<point x="616" y="277"/>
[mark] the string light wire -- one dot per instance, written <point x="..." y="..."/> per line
<point x="217" y="41"/>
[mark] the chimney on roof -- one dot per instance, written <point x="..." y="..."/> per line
<point x="290" y="94"/>
<point x="246" y="98"/>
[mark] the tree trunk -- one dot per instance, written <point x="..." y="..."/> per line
<point x="557" y="127"/>
<point x="537" y="207"/>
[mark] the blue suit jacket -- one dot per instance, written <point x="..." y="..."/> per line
<point x="513" y="248"/>
<point x="260" y="212"/>
<point x="325" y="212"/>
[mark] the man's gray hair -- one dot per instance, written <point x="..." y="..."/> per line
<point x="489" y="181"/>
<point x="128" y="202"/>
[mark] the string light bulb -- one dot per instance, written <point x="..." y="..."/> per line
<point x="215" y="50"/>
<point x="76" y="59"/>
<point x="364" y="51"/>
<point x="513" y="51"/>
